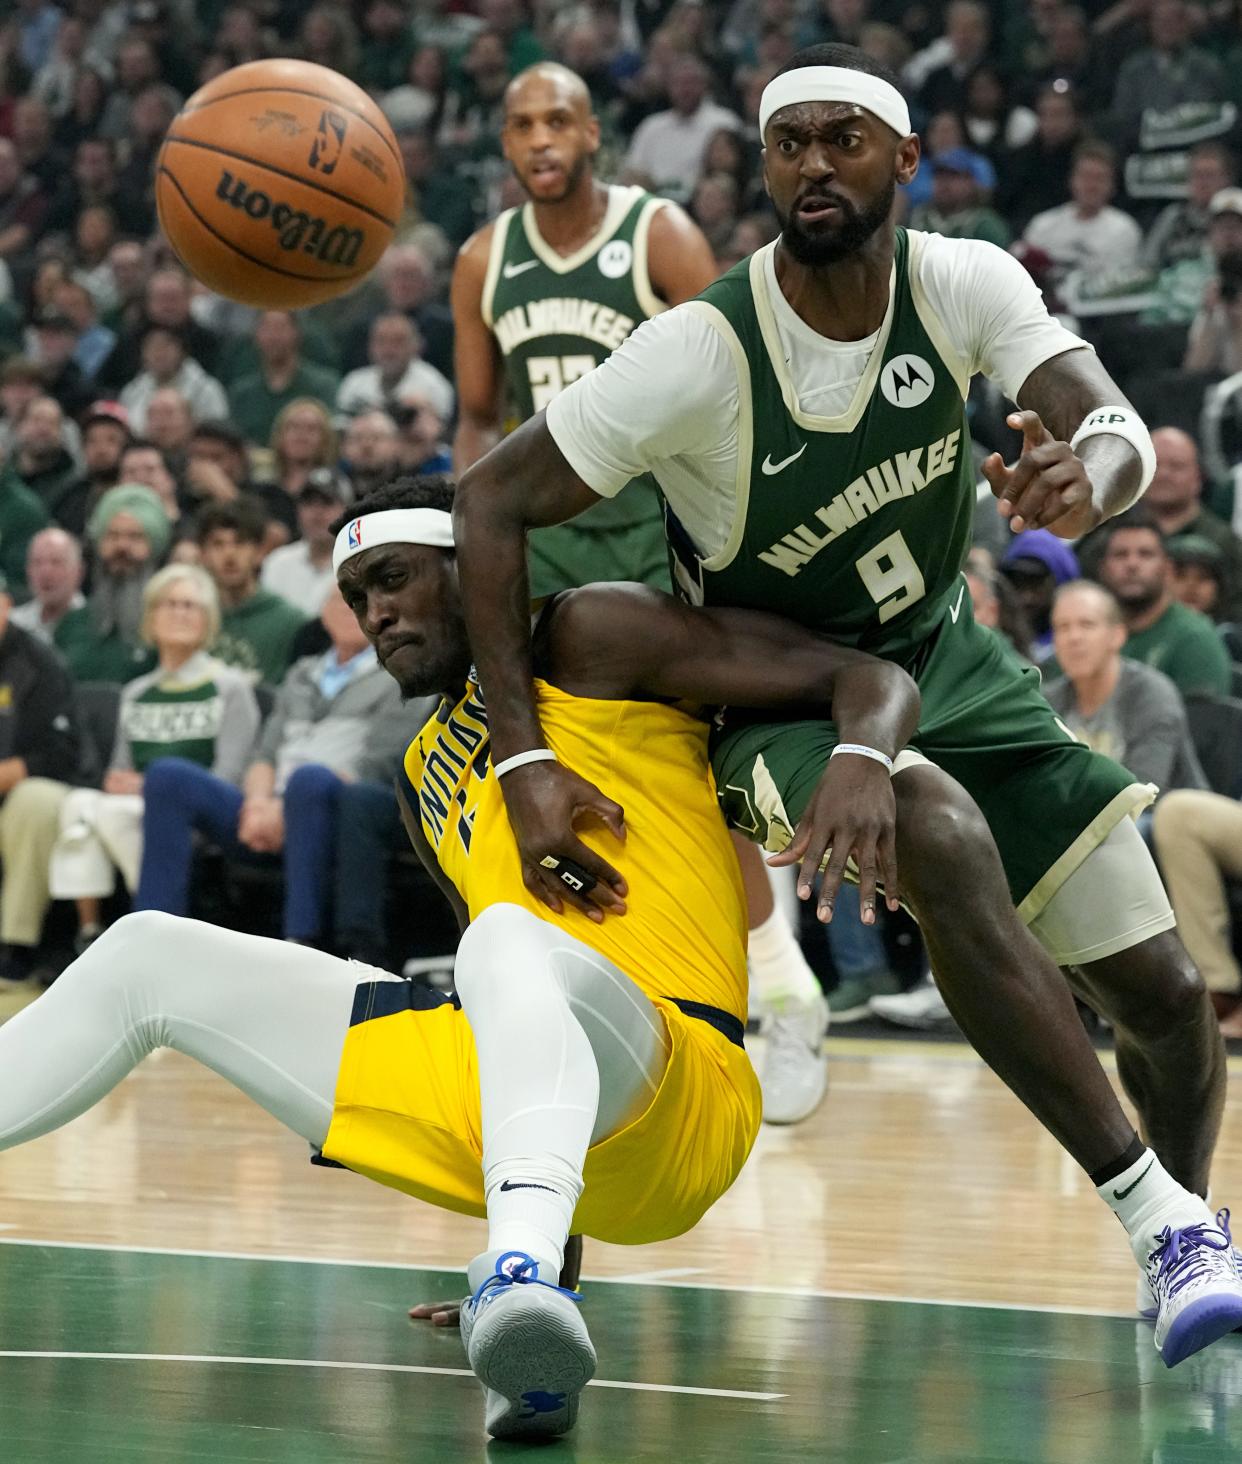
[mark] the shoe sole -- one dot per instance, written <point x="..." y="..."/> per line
<point x="849" y="1014"/>
<point x="1199" y="1326"/>
<point x="527" y="1356"/>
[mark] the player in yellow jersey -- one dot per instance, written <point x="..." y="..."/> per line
<point x="591" y="1072"/>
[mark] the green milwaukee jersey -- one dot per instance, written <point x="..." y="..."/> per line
<point x="555" y="319"/>
<point x="856" y="525"/>
<point x="172" y="720"/>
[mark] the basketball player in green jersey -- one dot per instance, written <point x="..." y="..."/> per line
<point x="541" y="296"/>
<point x="805" y="421"/>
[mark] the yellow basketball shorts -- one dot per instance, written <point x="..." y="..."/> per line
<point x="407" y="1115"/>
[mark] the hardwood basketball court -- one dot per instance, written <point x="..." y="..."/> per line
<point x="915" y="1274"/>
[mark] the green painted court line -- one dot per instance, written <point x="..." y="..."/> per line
<point x="655" y="1279"/>
<point x="378" y="1367"/>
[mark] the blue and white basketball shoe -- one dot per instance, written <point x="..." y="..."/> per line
<point x="527" y="1344"/>
<point x="1197" y="1285"/>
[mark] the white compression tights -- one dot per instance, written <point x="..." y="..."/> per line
<point x="569" y="1048"/>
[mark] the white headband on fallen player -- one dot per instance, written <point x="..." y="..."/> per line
<point x="430" y="526"/>
<point x="835" y="84"/>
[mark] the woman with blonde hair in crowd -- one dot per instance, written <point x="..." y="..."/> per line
<point x="303" y="439"/>
<point x="191" y="706"/>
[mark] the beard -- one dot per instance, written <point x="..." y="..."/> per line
<point x="573" y="177"/>
<point x="816" y="247"/>
<point x="116" y="603"/>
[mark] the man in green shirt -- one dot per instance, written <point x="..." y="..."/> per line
<point x="1162" y="632"/>
<point x="958" y="207"/>
<point x="130" y="533"/>
<point x="22" y="515"/>
<point x="255" y="400"/>
<point x="258" y="629"/>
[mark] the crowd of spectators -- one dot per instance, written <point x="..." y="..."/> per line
<point x="171" y="462"/>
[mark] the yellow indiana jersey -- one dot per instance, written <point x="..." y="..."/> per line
<point x="684" y="933"/>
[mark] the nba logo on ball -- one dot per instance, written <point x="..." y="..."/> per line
<point x="354" y="538"/>
<point x="326" y="148"/>
<point x="907" y="381"/>
<point x="615" y="259"/>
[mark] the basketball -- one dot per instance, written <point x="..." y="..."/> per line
<point x="279" y="184"/>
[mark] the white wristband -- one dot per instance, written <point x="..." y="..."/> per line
<point x="873" y="753"/>
<point x="1121" y="422"/>
<point x="520" y="759"/>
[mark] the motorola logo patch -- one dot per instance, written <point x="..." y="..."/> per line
<point x="907" y="381"/>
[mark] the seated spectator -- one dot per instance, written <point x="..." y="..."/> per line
<point x="256" y="400"/>
<point x="170" y="426"/>
<point x="105" y="436"/>
<point x="967" y="37"/>
<point x="666" y="151"/>
<point x="1175" y="500"/>
<point x="1214" y="346"/>
<point x="1070" y="58"/>
<point x="21" y="381"/>
<point x="37" y="151"/>
<point x="303" y="439"/>
<point x="216" y="466"/>
<point x="1087" y="234"/>
<point x="995" y="123"/>
<point x="142" y="462"/>
<point x="257" y="627"/>
<point x="1162" y="632"/>
<point x="958" y="206"/>
<point x="1198" y="574"/>
<point x="422" y="442"/>
<point x="433" y="193"/>
<point x="394" y="347"/>
<point x="40" y="460"/>
<point x="1128" y="711"/>
<point x="95" y="342"/>
<point x="1180" y="229"/>
<point x="713" y="206"/>
<point x="39" y="748"/>
<point x="190" y="706"/>
<point x="23" y="205"/>
<point x="150" y="118"/>
<point x="129" y="533"/>
<point x="1198" y="840"/>
<point x="91" y="181"/>
<point x="369" y="450"/>
<point x="338" y="718"/>
<point x="165" y="300"/>
<point x="55" y="341"/>
<point x="137" y="65"/>
<point x="54" y="570"/>
<point x="995" y="603"/>
<point x="1035" y="563"/>
<point x="406" y="286"/>
<point x="301" y="572"/>
<point x="1166" y="74"/>
<point x="473" y="114"/>
<point x="1188" y="290"/>
<point x="165" y="363"/>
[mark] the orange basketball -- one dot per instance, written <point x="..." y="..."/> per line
<point x="279" y="184"/>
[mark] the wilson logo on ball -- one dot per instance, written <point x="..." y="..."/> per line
<point x="297" y="229"/>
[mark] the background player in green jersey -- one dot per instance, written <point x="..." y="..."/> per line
<point x="541" y="296"/>
<point x="779" y="415"/>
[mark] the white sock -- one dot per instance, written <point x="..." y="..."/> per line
<point x="1146" y="1198"/>
<point x="778" y="968"/>
<point x="534" y="1212"/>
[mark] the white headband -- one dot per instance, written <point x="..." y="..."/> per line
<point x="835" y="84"/>
<point x="431" y="526"/>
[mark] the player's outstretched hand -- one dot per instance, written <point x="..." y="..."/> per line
<point x="1047" y="488"/>
<point x="851" y="812"/>
<point x="545" y="801"/>
<point x="438" y="1313"/>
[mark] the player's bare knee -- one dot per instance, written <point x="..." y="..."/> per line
<point x="942" y="837"/>
<point x="1153" y="988"/>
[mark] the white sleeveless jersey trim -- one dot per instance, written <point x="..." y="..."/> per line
<point x="495" y="256"/>
<point x="647" y="297"/>
<point x="763" y="287"/>
<point x="620" y="201"/>
<point x="958" y="368"/>
<point x="745" y="432"/>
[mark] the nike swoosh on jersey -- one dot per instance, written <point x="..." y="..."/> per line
<point x="510" y="270"/>
<point x="769" y="467"/>
<point x="956" y="608"/>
